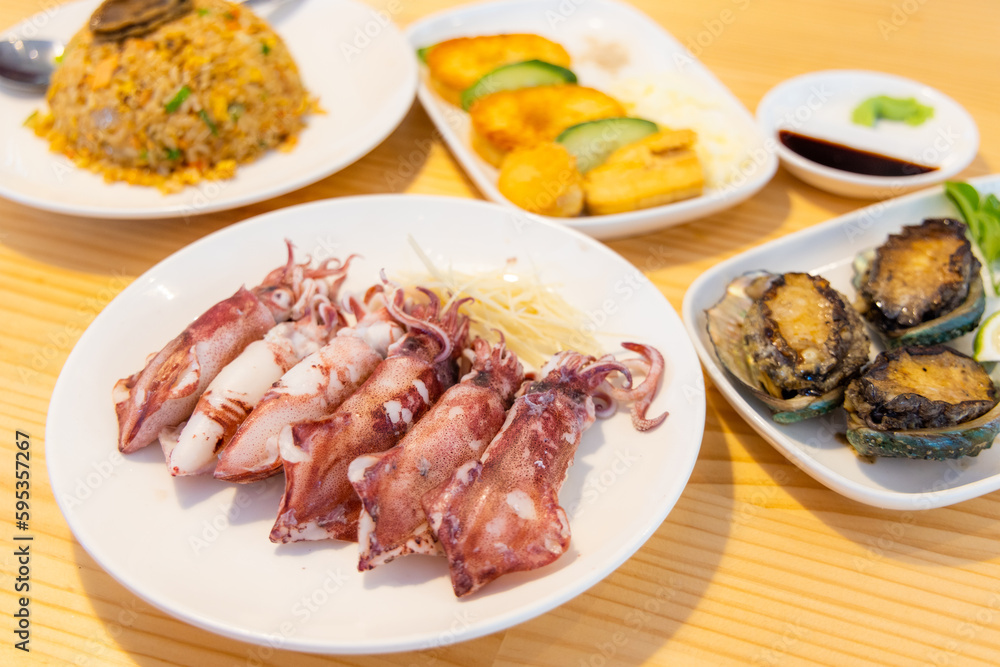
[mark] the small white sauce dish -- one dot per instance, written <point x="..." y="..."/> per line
<point x="820" y="105"/>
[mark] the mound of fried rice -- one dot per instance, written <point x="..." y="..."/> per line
<point x="186" y="102"/>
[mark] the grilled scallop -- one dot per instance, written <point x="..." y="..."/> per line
<point x="922" y="286"/>
<point x="791" y="338"/>
<point x="922" y="402"/>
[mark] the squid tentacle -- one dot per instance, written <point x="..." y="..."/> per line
<point x="604" y="405"/>
<point x="434" y="303"/>
<point x="339" y="268"/>
<point x="652" y="365"/>
<point x="283" y="289"/>
<point x="427" y="326"/>
<point x="593" y="374"/>
<point x="447" y="329"/>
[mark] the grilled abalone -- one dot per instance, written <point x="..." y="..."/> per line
<point x="791" y="338"/>
<point x="117" y="19"/>
<point x="923" y="403"/>
<point x="922" y="286"/>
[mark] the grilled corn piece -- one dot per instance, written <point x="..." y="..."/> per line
<point x="543" y="179"/>
<point x="526" y="117"/>
<point x="458" y="63"/>
<point x="659" y="169"/>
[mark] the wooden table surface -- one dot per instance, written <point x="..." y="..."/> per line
<point x="757" y="564"/>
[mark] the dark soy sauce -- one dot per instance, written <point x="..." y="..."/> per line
<point x="845" y="158"/>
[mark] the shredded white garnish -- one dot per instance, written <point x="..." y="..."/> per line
<point x="676" y="100"/>
<point x="534" y="319"/>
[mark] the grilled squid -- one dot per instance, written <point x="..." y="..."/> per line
<point x="501" y="514"/>
<point x="319" y="502"/>
<point x="455" y="431"/>
<point x="191" y="447"/>
<point x="312" y="389"/>
<point x="164" y="393"/>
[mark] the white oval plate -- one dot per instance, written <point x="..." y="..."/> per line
<point x="198" y="548"/>
<point x="366" y="89"/>
<point x="582" y="27"/>
<point x="820" y="104"/>
<point x="828" y="249"/>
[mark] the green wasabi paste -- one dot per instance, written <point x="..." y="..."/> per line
<point x="906" y="110"/>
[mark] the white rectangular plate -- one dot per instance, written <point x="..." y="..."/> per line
<point x="583" y="28"/>
<point x="813" y="445"/>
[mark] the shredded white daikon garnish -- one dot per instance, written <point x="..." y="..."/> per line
<point x="534" y="319"/>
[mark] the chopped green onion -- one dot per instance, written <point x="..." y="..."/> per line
<point x="178" y="99"/>
<point x="204" y="12"/>
<point x="58" y="59"/>
<point x="144" y="155"/>
<point x="29" y="119"/>
<point x="173" y="154"/>
<point x="229" y="16"/>
<point x="208" y="121"/>
<point x="265" y="48"/>
<point x="236" y="110"/>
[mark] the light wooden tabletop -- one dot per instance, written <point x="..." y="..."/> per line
<point x="757" y="564"/>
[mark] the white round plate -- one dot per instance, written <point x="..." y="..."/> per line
<point x="820" y="104"/>
<point x="647" y="52"/>
<point x="198" y="548"/>
<point x="813" y="445"/>
<point x="366" y="86"/>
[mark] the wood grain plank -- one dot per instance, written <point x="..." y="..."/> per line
<point x="758" y="564"/>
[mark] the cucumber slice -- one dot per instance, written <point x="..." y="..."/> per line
<point x="592" y="142"/>
<point x="525" y="74"/>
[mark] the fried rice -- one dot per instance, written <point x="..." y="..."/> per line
<point x="188" y="101"/>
